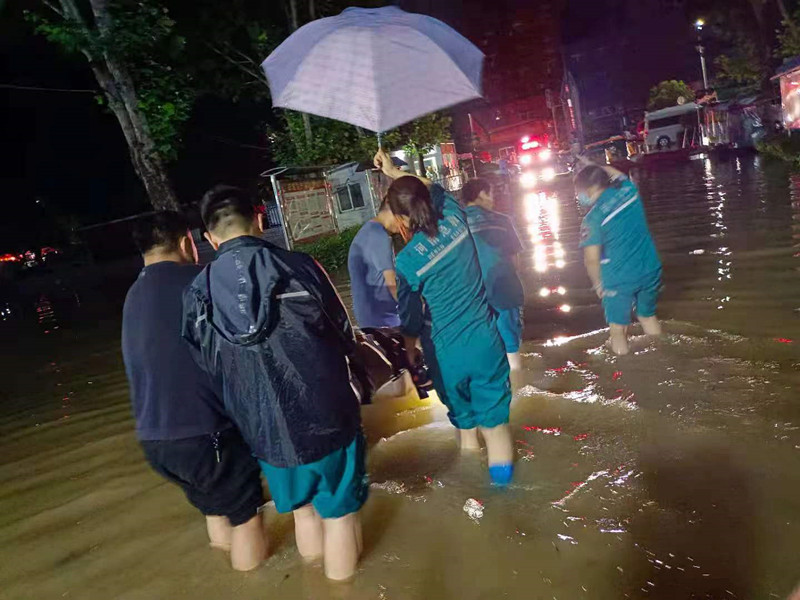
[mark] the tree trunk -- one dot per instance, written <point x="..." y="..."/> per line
<point x="307" y="128"/>
<point x="149" y="167"/>
<point x="120" y="91"/>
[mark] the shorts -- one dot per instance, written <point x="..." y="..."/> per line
<point x="619" y="303"/>
<point x="229" y="486"/>
<point x="335" y="485"/>
<point x="510" y="324"/>
<point x="475" y="387"/>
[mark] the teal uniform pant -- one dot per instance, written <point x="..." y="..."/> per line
<point x="619" y="302"/>
<point x="509" y="325"/>
<point x="471" y="377"/>
<point x="336" y="485"/>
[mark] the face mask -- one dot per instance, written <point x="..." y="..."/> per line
<point x="584" y="200"/>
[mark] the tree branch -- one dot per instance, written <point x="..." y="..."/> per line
<point x="249" y="59"/>
<point x="260" y="77"/>
<point x="52" y="7"/>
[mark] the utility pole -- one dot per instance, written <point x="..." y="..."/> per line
<point x="548" y="98"/>
<point x="698" y="25"/>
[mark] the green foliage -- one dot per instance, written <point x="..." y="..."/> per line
<point x="210" y="47"/>
<point x="742" y="66"/>
<point x="666" y="94"/>
<point x="781" y="146"/>
<point x="420" y="136"/>
<point x="227" y="41"/>
<point x="71" y="36"/>
<point x="142" y="38"/>
<point x="789" y="37"/>
<point x="330" y="251"/>
<point x="333" y="142"/>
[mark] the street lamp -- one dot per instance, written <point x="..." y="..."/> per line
<point x="698" y="25"/>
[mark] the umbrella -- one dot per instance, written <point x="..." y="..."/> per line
<point x="374" y="68"/>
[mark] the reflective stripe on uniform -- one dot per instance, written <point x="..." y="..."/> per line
<point x="476" y="228"/>
<point x="293" y="295"/>
<point x="447" y="249"/>
<point x="619" y="210"/>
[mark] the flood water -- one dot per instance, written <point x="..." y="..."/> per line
<point x="671" y="473"/>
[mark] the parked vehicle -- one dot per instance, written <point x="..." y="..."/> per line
<point x="540" y="163"/>
<point x="664" y="130"/>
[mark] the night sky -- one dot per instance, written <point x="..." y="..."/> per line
<point x="67" y="151"/>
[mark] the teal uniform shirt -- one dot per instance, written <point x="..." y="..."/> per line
<point x="442" y="300"/>
<point x="445" y="270"/>
<point x="497" y="243"/>
<point x="617" y="223"/>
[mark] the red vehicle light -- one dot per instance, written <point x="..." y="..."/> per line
<point x="9" y="258"/>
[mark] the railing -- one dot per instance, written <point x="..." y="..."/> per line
<point x="453" y="182"/>
<point x="273" y="215"/>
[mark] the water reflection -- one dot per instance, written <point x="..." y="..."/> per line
<point x="46" y="315"/>
<point x="716" y="196"/>
<point x="670" y="475"/>
<point x="544" y="228"/>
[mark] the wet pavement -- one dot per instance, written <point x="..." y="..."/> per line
<point x="670" y="473"/>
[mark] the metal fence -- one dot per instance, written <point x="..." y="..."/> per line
<point x="273" y="214"/>
<point x="453" y="182"/>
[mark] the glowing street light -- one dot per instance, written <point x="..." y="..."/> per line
<point x="698" y="25"/>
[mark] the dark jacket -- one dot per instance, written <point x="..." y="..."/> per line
<point x="270" y="323"/>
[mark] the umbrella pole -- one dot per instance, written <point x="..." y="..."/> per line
<point x="380" y="141"/>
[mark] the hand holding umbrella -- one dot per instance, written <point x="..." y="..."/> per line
<point x="383" y="162"/>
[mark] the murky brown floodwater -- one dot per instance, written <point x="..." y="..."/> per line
<point x="671" y="473"/>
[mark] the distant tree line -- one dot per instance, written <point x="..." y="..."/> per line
<point x="748" y="38"/>
<point x="154" y="59"/>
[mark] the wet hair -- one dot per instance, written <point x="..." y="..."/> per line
<point x="592" y="176"/>
<point x="162" y="229"/>
<point x="224" y="206"/>
<point x="409" y="197"/>
<point x="473" y="188"/>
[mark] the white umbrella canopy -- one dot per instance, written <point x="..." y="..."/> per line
<point x="374" y="68"/>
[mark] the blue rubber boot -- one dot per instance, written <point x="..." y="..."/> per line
<point x="501" y="475"/>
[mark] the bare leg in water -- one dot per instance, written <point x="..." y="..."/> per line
<point x="619" y="339"/>
<point x="308" y="533"/>
<point x="338" y="542"/>
<point x="468" y="440"/>
<point x="343" y="544"/>
<point x="515" y="363"/>
<point x="651" y="326"/>
<point x="219" y="532"/>
<point x="499" y="448"/>
<point x="249" y="545"/>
